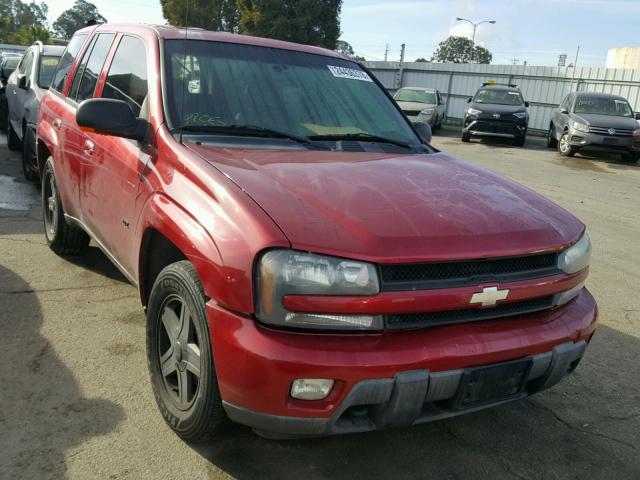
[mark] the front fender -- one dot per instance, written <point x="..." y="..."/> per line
<point x="46" y="142"/>
<point x="177" y="225"/>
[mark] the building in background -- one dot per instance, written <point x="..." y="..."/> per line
<point x="627" y="57"/>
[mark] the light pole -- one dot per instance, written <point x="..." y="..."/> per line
<point x="473" y="38"/>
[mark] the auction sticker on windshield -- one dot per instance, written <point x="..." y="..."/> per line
<point x="344" y="72"/>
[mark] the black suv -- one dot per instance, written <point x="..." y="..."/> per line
<point x="496" y="110"/>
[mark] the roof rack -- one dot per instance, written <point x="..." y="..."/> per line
<point x="40" y="45"/>
<point x="491" y="84"/>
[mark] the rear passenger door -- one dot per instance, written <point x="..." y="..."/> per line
<point x="113" y="166"/>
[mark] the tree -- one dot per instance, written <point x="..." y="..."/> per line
<point x="76" y="18"/>
<point x="221" y="15"/>
<point x="346" y="49"/>
<point x="461" y="50"/>
<point x="314" y="22"/>
<point x="421" y="60"/>
<point x="23" y="23"/>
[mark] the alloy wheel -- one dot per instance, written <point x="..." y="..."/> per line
<point x="564" y="143"/>
<point x="179" y="352"/>
<point x="51" y="206"/>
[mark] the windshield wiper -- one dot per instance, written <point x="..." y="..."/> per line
<point x="365" y="137"/>
<point x="248" y="131"/>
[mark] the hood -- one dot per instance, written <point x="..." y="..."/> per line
<point x="606" y="121"/>
<point x="411" y="106"/>
<point x="390" y="208"/>
<point x="494" y="108"/>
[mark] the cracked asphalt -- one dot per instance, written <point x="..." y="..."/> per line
<point x="75" y="401"/>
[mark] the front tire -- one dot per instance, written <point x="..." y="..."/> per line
<point x="179" y="355"/>
<point x="29" y="166"/>
<point x="13" y="141"/>
<point x="465" y="137"/>
<point x="564" y="147"/>
<point x="63" y="238"/>
<point x="630" y="157"/>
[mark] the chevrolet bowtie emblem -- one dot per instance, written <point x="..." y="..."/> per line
<point x="489" y="296"/>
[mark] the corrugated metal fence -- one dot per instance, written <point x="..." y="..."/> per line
<point x="543" y="87"/>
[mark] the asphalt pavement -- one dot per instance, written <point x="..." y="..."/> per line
<point x="75" y="401"/>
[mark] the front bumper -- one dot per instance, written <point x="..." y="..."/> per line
<point x="485" y="127"/>
<point x="604" y="142"/>
<point x="409" y="398"/>
<point x="385" y="379"/>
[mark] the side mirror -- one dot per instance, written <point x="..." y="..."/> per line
<point x="469" y="100"/>
<point x="23" y="82"/>
<point x="564" y="110"/>
<point x="424" y="130"/>
<point x="526" y="104"/>
<point x="111" y="117"/>
<point x="637" y="115"/>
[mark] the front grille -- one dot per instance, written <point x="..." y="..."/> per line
<point x="495" y="127"/>
<point x="423" y="276"/>
<point x="431" y="319"/>
<point x="411" y="113"/>
<point x="619" y="132"/>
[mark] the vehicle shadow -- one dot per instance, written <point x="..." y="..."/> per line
<point x="96" y="261"/>
<point x="611" y="159"/>
<point x="450" y="135"/>
<point x="585" y="427"/>
<point x="43" y="412"/>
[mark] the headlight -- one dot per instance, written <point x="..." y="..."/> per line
<point x="290" y="272"/>
<point x="581" y="127"/>
<point x="576" y="257"/>
<point x="473" y="111"/>
<point x="520" y="114"/>
<point x="636" y="133"/>
<point x="428" y="111"/>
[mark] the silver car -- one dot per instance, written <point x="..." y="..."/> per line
<point x="587" y="120"/>
<point x="25" y="88"/>
<point x="421" y="105"/>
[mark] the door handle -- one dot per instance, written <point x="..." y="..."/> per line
<point x="57" y="124"/>
<point x="88" y="147"/>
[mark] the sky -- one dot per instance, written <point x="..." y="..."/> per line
<point x="535" y="31"/>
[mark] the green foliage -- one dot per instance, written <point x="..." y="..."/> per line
<point x="76" y="18"/>
<point x="221" y="15"/>
<point x="313" y="22"/>
<point x="421" y="60"/>
<point x="461" y="50"/>
<point x="23" y="23"/>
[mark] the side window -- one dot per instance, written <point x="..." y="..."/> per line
<point x="64" y="66"/>
<point x="25" y="64"/>
<point x="127" y="78"/>
<point x="73" y="91"/>
<point x="91" y="72"/>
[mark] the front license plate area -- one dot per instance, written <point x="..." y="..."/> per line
<point x="491" y="384"/>
<point x="609" y="141"/>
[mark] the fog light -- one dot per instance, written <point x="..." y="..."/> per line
<point x="311" y="388"/>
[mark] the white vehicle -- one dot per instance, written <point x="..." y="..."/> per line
<point x="421" y="105"/>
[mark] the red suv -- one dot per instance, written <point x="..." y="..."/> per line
<point x="309" y="265"/>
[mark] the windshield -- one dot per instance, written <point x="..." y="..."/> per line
<point x="418" y="96"/>
<point x="12" y="62"/>
<point x="614" y="107"/>
<point x="499" y="97"/>
<point x="46" y="70"/>
<point x="226" y="84"/>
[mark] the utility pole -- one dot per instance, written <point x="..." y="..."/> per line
<point x="402" y="53"/>
<point x="473" y="37"/>
<point x="400" y="72"/>
<point x="514" y="61"/>
<point x="386" y="52"/>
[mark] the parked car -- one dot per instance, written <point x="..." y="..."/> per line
<point x="421" y="105"/>
<point x="8" y="64"/>
<point x="309" y="265"/>
<point x="496" y="110"/>
<point x="24" y="91"/>
<point x="600" y="121"/>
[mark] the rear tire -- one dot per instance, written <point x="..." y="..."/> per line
<point x="179" y="355"/>
<point x="564" y="147"/>
<point x="13" y="141"/>
<point x="551" y="137"/>
<point x="63" y="238"/>
<point x="465" y="137"/>
<point x="519" y="141"/>
<point x="29" y="166"/>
